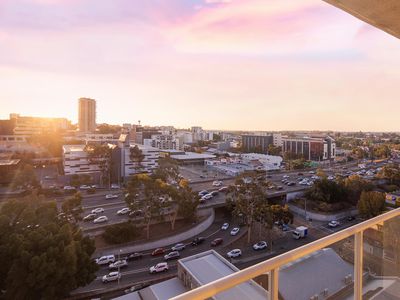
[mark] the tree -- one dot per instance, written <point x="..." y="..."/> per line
<point x="25" y="177"/>
<point x="327" y="191"/>
<point x="73" y="206"/>
<point x="41" y="256"/>
<point x="321" y="173"/>
<point x="245" y="199"/>
<point x="51" y="141"/>
<point x="274" y="150"/>
<point x="390" y="172"/>
<point x="120" y="233"/>
<point x="137" y="157"/>
<point x="371" y="204"/>
<point x="101" y="155"/>
<point x="355" y="185"/>
<point x="167" y="170"/>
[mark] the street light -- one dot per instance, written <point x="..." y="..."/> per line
<point x="119" y="265"/>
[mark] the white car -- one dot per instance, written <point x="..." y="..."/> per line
<point x="208" y="196"/>
<point x="178" y="247"/>
<point x="111" y="196"/>
<point x="260" y="245"/>
<point x="105" y="260"/>
<point x="118" y="264"/>
<point x="160" y="267"/>
<point x="114" y="186"/>
<point x="113" y="276"/>
<point x="234" y="253"/>
<point x="333" y="224"/>
<point x="84" y="187"/>
<point x="68" y="188"/>
<point x="97" y="210"/>
<point x="225" y="226"/>
<point x="235" y="231"/>
<point x="217" y="183"/>
<point x="123" y="211"/>
<point x="101" y="219"/>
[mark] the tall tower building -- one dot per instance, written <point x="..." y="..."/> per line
<point x="87" y="115"/>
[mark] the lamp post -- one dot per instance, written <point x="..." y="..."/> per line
<point x="119" y="266"/>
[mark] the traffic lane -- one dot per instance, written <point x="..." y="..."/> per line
<point x="109" y="212"/>
<point x="343" y="224"/>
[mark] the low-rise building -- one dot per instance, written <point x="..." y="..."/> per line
<point x="164" y="142"/>
<point x="310" y="148"/>
<point x="76" y="161"/>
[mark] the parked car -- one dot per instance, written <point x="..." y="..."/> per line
<point x="101" y="219"/>
<point x="333" y="224"/>
<point x="198" y="241"/>
<point x="160" y="267"/>
<point x="225" y="226"/>
<point x="134" y="256"/>
<point x="234" y="253"/>
<point x="172" y="255"/>
<point x="217" y="242"/>
<point x="178" y="247"/>
<point x="123" y="211"/>
<point x="111" y="196"/>
<point x="113" y="276"/>
<point x="235" y="231"/>
<point x="105" y="260"/>
<point x="118" y="264"/>
<point x="158" y="251"/>
<point x="97" y="210"/>
<point x="89" y="217"/>
<point x="260" y="245"/>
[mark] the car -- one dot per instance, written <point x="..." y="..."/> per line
<point x="97" y="210"/>
<point x="118" y="264"/>
<point x="89" y="217"/>
<point x="300" y="174"/>
<point x="136" y="213"/>
<point x="101" y="219"/>
<point x="111" y="196"/>
<point x="235" y="231"/>
<point x="311" y="172"/>
<point x="216" y="242"/>
<point x="198" y="241"/>
<point x="105" y="260"/>
<point x="160" y="267"/>
<point x="217" y="183"/>
<point x="285" y="227"/>
<point x="291" y="183"/>
<point x="113" y="276"/>
<point x="285" y="176"/>
<point x="202" y="193"/>
<point x="214" y="193"/>
<point x="333" y="224"/>
<point x="223" y="189"/>
<point x="202" y="176"/>
<point x="84" y="187"/>
<point x="172" y="255"/>
<point x="178" y="247"/>
<point x="234" y="253"/>
<point x="331" y="178"/>
<point x="134" y="256"/>
<point x="158" y="251"/>
<point x="260" y="245"/>
<point x="350" y="218"/>
<point x="225" y="226"/>
<point x="114" y="186"/>
<point x="69" y="188"/>
<point x="278" y="187"/>
<point x="208" y="196"/>
<point x="123" y="211"/>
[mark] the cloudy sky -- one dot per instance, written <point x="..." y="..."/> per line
<point x="220" y="64"/>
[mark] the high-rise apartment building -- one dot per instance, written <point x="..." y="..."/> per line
<point x="87" y="115"/>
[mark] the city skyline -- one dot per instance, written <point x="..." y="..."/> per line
<point x="229" y="65"/>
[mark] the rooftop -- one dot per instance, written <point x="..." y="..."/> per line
<point x="192" y="155"/>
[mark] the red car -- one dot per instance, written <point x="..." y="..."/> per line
<point x="216" y="242"/>
<point x="158" y="251"/>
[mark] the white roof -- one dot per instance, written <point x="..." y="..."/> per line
<point x="192" y="155"/>
<point x="210" y="266"/>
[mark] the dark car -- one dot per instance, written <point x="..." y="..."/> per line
<point x="198" y="241"/>
<point x="158" y="251"/>
<point x="350" y="218"/>
<point x="134" y="256"/>
<point x="216" y="242"/>
<point x="300" y="174"/>
<point x="291" y="183"/>
<point x="214" y="193"/>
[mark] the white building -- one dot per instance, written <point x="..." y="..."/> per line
<point x="75" y="161"/>
<point x="164" y="142"/>
<point x="149" y="163"/>
<point x="277" y="138"/>
<point x="267" y="162"/>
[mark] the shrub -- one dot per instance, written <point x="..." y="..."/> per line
<point x="120" y="233"/>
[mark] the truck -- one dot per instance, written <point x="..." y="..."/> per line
<point x="300" y="232"/>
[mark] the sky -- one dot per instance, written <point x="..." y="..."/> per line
<point x="219" y="64"/>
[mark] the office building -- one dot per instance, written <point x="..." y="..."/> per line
<point x="28" y="126"/>
<point x="310" y="148"/>
<point x="256" y="143"/>
<point x="87" y="115"/>
<point x="164" y="142"/>
<point x="76" y="161"/>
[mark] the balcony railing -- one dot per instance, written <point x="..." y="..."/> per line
<point x="273" y="265"/>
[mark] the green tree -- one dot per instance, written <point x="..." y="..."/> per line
<point x="274" y="150"/>
<point x="167" y="170"/>
<point x="101" y="155"/>
<point x="120" y="233"/>
<point x="73" y="206"/>
<point x="25" y="177"/>
<point x="390" y="172"/>
<point x="41" y="256"/>
<point x="355" y="185"/>
<point x="136" y="156"/>
<point x="371" y="204"/>
<point x="327" y="191"/>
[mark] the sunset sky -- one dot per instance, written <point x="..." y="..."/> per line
<point x="220" y="64"/>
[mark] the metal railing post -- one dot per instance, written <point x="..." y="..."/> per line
<point x="358" y="265"/>
<point x="273" y="284"/>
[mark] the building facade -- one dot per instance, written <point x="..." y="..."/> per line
<point x="75" y="161"/>
<point x="310" y="148"/>
<point x="164" y="142"/>
<point x="256" y="143"/>
<point x="28" y="126"/>
<point x="87" y="115"/>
